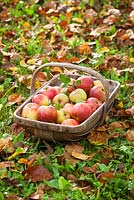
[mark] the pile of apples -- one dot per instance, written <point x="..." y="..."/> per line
<point x="69" y="105"/>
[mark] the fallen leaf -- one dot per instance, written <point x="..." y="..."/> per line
<point x="6" y="164"/>
<point x="79" y="156"/>
<point x="15" y="128"/>
<point x="14" y="98"/>
<point x="6" y="144"/>
<point x="132" y="16"/>
<point x="37" y="173"/>
<point x="74" y="147"/>
<point x="19" y="150"/>
<point x="98" y="138"/>
<point x="110" y="19"/>
<point x="23" y="161"/>
<point x="130" y="111"/>
<point x="92" y="169"/>
<point x="12" y="197"/>
<point x="132" y="97"/>
<point x="115" y="125"/>
<point x="104" y="177"/>
<point x="68" y="157"/>
<point x="84" y="49"/>
<point x="130" y="135"/>
<point x="78" y="20"/>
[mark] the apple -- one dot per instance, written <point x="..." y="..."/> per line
<point x="70" y="122"/>
<point x="62" y="115"/>
<point x="97" y="92"/>
<point x="68" y="107"/>
<point x="51" y="92"/>
<point x="47" y="114"/>
<point x="81" y="111"/>
<point x="67" y="90"/>
<point x="78" y="95"/>
<point x="41" y="99"/>
<point x="60" y="99"/>
<point x="30" y="111"/>
<point x="98" y="82"/>
<point x="96" y="102"/>
<point x="58" y="88"/>
<point x="85" y="83"/>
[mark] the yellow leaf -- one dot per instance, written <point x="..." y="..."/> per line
<point x="26" y="25"/>
<point x="78" y="20"/>
<point x="23" y="161"/>
<point x="104" y="49"/>
<point x="22" y="63"/>
<point x="16" y="153"/>
<point x="37" y="84"/>
<point x="31" y="61"/>
<point x="132" y="59"/>
<point x="120" y="104"/>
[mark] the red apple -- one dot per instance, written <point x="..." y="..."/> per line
<point x="60" y="99"/>
<point x="62" y="115"/>
<point x="78" y="95"/>
<point x="68" y="107"/>
<point x="81" y="111"/>
<point x="58" y="88"/>
<point x="47" y="114"/>
<point x="30" y="111"/>
<point x="85" y="83"/>
<point x="41" y="99"/>
<point x="70" y="122"/>
<point x="50" y="92"/>
<point x="95" y="101"/>
<point x="97" y="92"/>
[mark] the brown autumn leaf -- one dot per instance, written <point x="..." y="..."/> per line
<point x="132" y="16"/>
<point x="69" y="158"/>
<point x="41" y="76"/>
<point x="14" y="98"/>
<point x="115" y="125"/>
<point x="15" y="128"/>
<point x="74" y="147"/>
<point x="12" y="197"/>
<point x="6" y="164"/>
<point x="37" y="173"/>
<point x="98" y="138"/>
<point x="92" y="169"/>
<point x="38" y="195"/>
<point x="111" y="19"/>
<point x="63" y="52"/>
<point x="83" y="185"/>
<point x="5" y="15"/>
<point x="6" y="144"/>
<point x="130" y="111"/>
<point x="107" y="152"/>
<point x="90" y="15"/>
<point x="130" y="135"/>
<point x="84" y="49"/>
<point x="79" y="156"/>
<point x="104" y="177"/>
<point x="132" y="97"/>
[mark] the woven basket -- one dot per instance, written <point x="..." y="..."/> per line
<point x="57" y="132"/>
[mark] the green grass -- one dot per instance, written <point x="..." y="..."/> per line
<point x="43" y="45"/>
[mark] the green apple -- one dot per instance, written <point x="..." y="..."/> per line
<point x="62" y="115"/>
<point x="60" y="99"/>
<point x="78" y="95"/>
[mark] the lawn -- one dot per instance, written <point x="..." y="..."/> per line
<point x="98" y="34"/>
